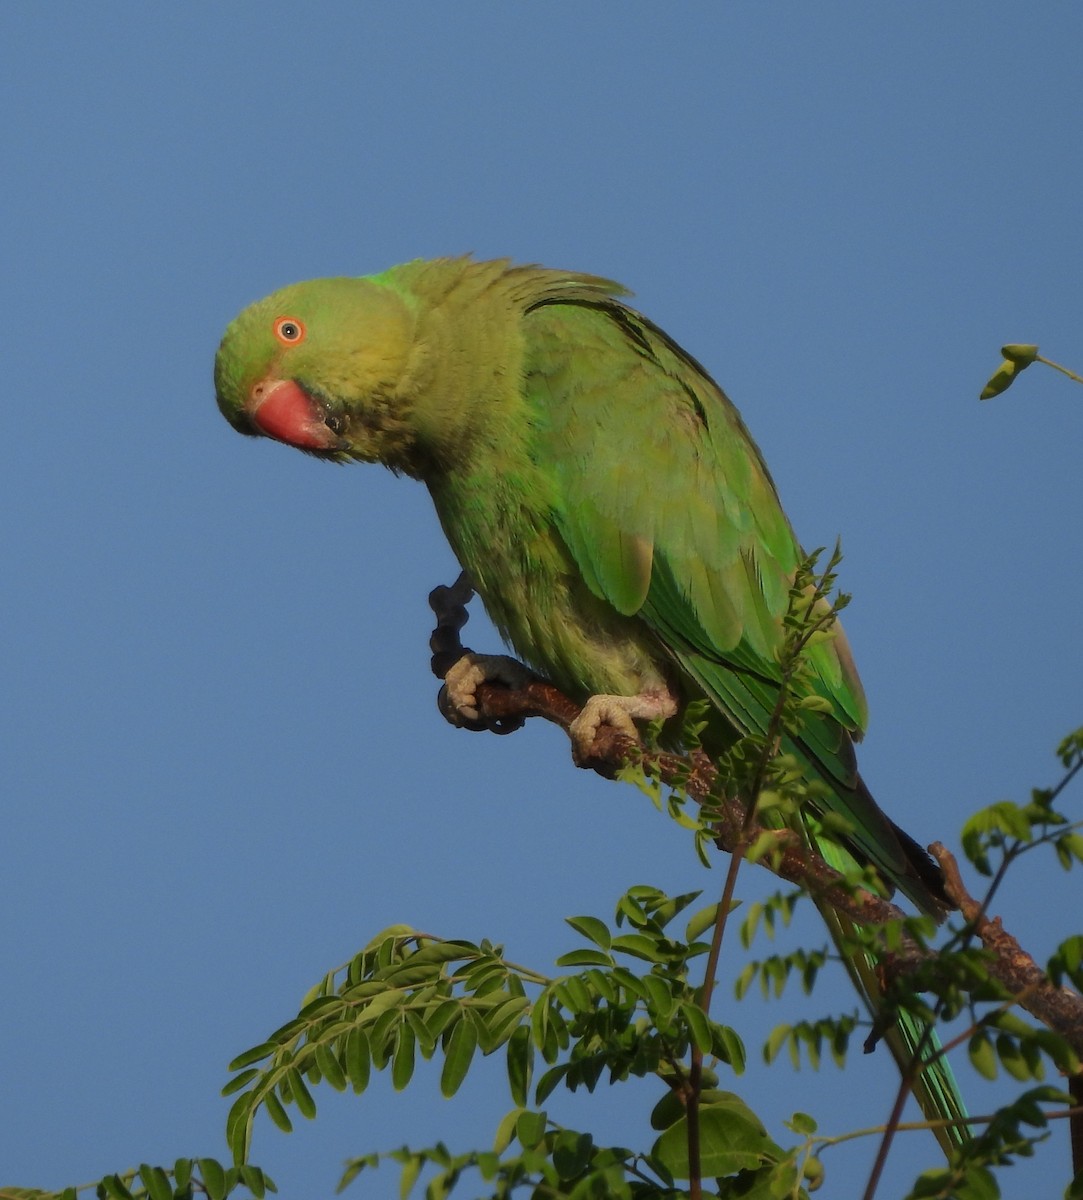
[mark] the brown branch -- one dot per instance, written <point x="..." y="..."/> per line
<point x="1059" y="1008"/>
<point x="791" y="858"/>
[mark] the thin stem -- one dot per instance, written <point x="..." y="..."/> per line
<point x="1060" y="1114"/>
<point x="890" y="1129"/>
<point x="1058" y="367"/>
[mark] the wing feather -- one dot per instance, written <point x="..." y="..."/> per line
<point x="670" y="514"/>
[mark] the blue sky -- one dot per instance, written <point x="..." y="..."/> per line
<point x="223" y="769"/>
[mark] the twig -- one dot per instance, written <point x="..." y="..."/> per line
<point x="1059" y="1008"/>
<point x="792" y="859"/>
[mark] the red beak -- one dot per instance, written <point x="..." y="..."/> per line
<point x="283" y="410"/>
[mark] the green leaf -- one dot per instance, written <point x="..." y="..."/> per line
<point x="585" y="958"/>
<point x="425" y="1040"/>
<point x="745" y="980"/>
<point x="440" y="1185"/>
<point x="240" y="1081"/>
<point x="488" y="1164"/>
<point x="549" y="1081"/>
<point x="114" y="1186"/>
<point x="520" y="1065"/>
<point x="571" y="1153"/>
<point x="751" y="923"/>
<point x="255" y="1180"/>
<point x="1010" y="1022"/>
<point x="425" y="963"/>
<point x="802" y="1123"/>
<point x="1013" y="1060"/>
<point x="983" y="1055"/>
<point x="639" y="946"/>
<point x="728" y="1048"/>
<point x="214" y="1178"/>
<point x="502" y="1021"/>
<point x="1067" y="961"/>
<point x="382" y="1037"/>
<point x="592" y="929"/>
<point x="299" y="1093"/>
<point x="732" y="1139"/>
<point x="264" y="1050"/>
<point x="411" y="1169"/>
<point x="440" y="1017"/>
<point x="701" y="922"/>
<point x="321" y="1004"/>
<point x="575" y="995"/>
<point x="602" y="984"/>
<point x="238" y="1131"/>
<point x="530" y="1128"/>
<point x="277" y="1113"/>
<point x="330" y="1067"/>
<point x="775" y="1041"/>
<point x="629" y="909"/>
<point x="402" y="1061"/>
<point x="505" y="1131"/>
<point x="457" y="1058"/>
<point x="664" y="908"/>
<point x="358" y="1059"/>
<point x="630" y="985"/>
<point x="699" y="1026"/>
<point x="156" y="1182"/>
<point x="660" y="998"/>
<point x="669" y="1109"/>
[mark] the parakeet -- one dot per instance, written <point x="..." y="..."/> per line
<point x="603" y="494"/>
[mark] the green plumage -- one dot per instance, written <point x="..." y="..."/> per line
<point x="612" y="510"/>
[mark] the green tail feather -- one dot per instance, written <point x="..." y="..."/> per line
<point x="935" y="1087"/>
<point x="744" y="704"/>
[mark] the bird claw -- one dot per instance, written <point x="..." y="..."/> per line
<point x="458" y="700"/>
<point x="620" y="713"/>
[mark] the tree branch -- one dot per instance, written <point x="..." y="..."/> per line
<point x="504" y="710"/>
<point x="1059" y="1008"/>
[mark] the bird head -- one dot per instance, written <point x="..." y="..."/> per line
<point x="319" y="366"/>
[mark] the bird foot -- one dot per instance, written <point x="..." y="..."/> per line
<point x="620" y="712"/>
<point x="458" y="697"/>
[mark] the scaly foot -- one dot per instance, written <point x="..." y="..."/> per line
<point x="621" y="712"/>
<point x="461" y="684"/>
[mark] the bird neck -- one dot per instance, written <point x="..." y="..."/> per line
<point x="463" y="384"/>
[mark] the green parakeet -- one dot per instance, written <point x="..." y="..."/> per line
<point x="602" y="493"/>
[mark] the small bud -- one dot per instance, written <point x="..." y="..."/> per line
<point x="813" y="1171"/>
<point x="1000" y="380"/>
<point x="1020" y="353"/>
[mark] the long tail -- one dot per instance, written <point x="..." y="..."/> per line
<point x="934" y="1086"/>
<point x="744" y="702"/>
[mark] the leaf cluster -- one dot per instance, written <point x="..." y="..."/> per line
<point x="630" y="1010"/>
<point x="187" y="1179"/>
<point x="532" y="1152"/>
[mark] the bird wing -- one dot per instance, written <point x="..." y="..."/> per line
<point x="671" y="515"/>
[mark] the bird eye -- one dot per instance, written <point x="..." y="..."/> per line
<point x="289" y="331"/>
